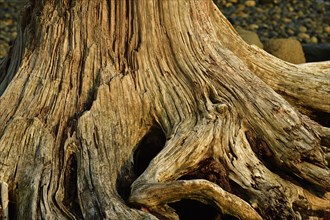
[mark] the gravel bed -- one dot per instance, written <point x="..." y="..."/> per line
<point x="306" y="20"/>
<point x="9" y="10"/>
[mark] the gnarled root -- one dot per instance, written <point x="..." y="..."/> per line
<point x="159" y="194"/>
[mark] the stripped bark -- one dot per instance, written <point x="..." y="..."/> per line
<point x="93" y="91"/>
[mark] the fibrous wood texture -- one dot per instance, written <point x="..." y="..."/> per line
<point x="93" y="91"/>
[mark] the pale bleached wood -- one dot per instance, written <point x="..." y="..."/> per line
<point x="304" y="85"/>
<point x="154" y="195"/>
<point x="87" y="80"/>
<point x="4" y="201"/>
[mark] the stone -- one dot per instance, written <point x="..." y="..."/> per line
<point x="3" y="49"/>
<point x="253" y="26"/>
<point x="260" y="11"/>
<point x="288" y="49"/>
<point x="314" y="40"/>
<point x="309" y="15"/>
<point x="302" y="29"/>
<point x="240" y="8"/>
<point x="276" y="17"/>
<point x="327" y="29"/>
<point x="243" y="14"/>
<point x="291" y="9"/>
<point x="303" y="36"/>
<point x="290" y="31"/>
<point x="287" y="20"/>
<point x="228" y="5"/>
<point x="249" y="37"/>
<point x="250" y="3"/>
<point x="316" y="52"/>
<point x="300" y="14"/>
<point x="318" y="30"/>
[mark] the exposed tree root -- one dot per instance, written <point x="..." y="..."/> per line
<point x="4" y="201"/>
<point x="153" y="195"/>
<point x="98" y="79"/>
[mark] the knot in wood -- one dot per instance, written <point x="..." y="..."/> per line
<point x="221" y="108"/>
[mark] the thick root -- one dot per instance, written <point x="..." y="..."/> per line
<point x="159" y="194"/>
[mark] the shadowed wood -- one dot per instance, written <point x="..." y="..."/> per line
<point x="86" y="81"/>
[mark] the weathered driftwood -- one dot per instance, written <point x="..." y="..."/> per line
<point x="4" y="212"/>
<point x="93" y="90"/>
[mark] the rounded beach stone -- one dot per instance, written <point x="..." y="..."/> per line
<point x="286" y="49"/>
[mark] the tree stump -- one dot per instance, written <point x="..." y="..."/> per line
<point x="125" y="109"/>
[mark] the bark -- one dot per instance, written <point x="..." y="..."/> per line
<point x="122" y="109"/>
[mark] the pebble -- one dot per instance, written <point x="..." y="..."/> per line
<point x="314" y="40"/>
<point x="250" y="3"/>
<point x="303" y="36"/>
<point x="286" y="20"/>
<point x="229" y="4"/>
<point x="302" y="29"/>
<point x="253" y="26"/>
<point x="327" y="29"/>
<point x="290" y="31"/>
